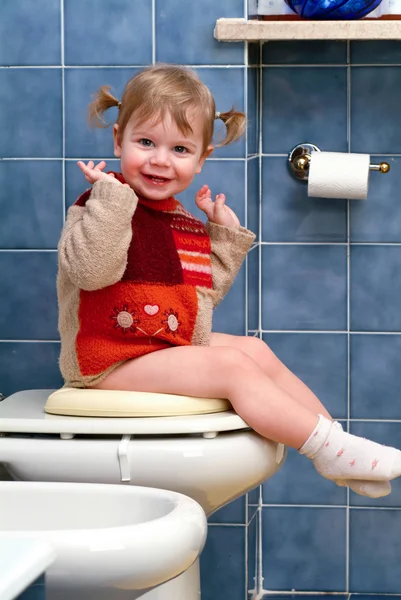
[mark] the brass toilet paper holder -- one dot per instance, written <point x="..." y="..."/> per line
<point x="300" y="156"/>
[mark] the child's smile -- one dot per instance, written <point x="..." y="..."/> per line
<point x="157" y="159"/>
<point x="155" y="179"/>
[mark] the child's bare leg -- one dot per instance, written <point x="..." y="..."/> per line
<point x="284" y="378"/>
<point x="219" y="373"/>
<point x="260" y="352"/>
<point x="226" y="372"/>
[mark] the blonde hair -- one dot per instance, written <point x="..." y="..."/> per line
<point x="167" y="89"/>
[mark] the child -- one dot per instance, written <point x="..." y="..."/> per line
<point x="139" y="278"/>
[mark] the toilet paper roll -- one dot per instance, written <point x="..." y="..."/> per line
<point x="338" y="175"/>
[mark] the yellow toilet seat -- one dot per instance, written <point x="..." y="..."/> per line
<point x="110" y="403"/>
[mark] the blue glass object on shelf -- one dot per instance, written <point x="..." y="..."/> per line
<point x="340" y="10"/>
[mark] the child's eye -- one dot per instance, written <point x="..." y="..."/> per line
<point x="146" y="142"/>
<point x="180" y="149"/>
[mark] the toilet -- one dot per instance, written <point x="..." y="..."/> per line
<point x="110" y="542"/>
<point x="198" y="447"/>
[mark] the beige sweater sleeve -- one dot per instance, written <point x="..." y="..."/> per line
<point x="229" y="249"/>
<point x="93" y="246"/>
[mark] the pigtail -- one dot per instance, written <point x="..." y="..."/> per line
<point x="103" y="100"/>
<point x="235" y="122"/>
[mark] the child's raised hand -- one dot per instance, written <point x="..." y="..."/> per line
<point x="217" y="211"/>
<point x="93" y="173"/>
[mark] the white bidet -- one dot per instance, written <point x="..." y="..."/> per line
<point x="113" y="542"/>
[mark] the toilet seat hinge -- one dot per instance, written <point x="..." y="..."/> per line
<point x="122" y="454"/>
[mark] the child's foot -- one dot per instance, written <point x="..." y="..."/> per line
<point x="337" y="454"/>
<point x="372" y="489"/>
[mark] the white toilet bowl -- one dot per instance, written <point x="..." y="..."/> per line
<point x="111" y="542"/>
<point x="212" y="458"/>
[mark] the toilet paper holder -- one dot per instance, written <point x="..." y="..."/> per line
<point x="299" y="161"/>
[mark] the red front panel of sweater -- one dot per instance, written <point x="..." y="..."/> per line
<point x="155" y="305"/>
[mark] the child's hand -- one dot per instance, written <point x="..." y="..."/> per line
<point x="217" y="211"/>
<point x="93" y="173"/>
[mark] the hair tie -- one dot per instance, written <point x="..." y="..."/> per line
<point x="217" y="115"/>
<point x="118" y="105"/>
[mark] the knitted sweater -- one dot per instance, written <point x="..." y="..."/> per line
<point x="137" y="276"/>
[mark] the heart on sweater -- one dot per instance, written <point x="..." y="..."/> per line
<point x="151" y="310"/>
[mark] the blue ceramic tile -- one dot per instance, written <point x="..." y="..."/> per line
<point x="30" y="122"/>
<point x="223" y="563"/>
<point x="82" y="141"/>
<point x="97" y="33"/>
<point x="184" y="32"/>
<point x="304" y="105"/>
<point x="298" y="482"/>
<point x="253" y="207"/>
<point x="227" y="87"/>
<point x="254" y="53"/>
<point x="37" y="361"/>
<point x="30" y="32"/>
<point x="305" y="52"/>
<point x="226" y="177"/>
<point x="75" y="182"/>
<point x="377" y="219"/>
<point x="369" y="597"/>
<point x="303" y="287"/>
<point x="305" y="549"/>
<point x="253" y="289"/>
<point x="297" y="596"/>
<point x="288" y="215"/>
<point x="375" y="376"/>
<point x="374" y="99"/>
<point x="31" y="204"/>
<point x="253" y="496"/>
<point x="34" y="592"/>
<point x="229" y="316"/>
<point x="375" y="288"/>
<point x="253" y="552"/>
<point x="320" y="361"/>
<point x="373" y="571"/>
<point x="233" y="513"/>
<point x="28" y="305"/>
<point x="390" y="435"/>
<point x="376" y="52"/>
<point x="253" y="111"/>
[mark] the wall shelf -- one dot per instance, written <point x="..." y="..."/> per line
<point x="241" y="30"/>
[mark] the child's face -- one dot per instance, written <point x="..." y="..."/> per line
<point x="157" y="160"/>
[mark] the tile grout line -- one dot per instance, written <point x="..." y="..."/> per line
<point x="63" y="184"/>
<point x="260" y="146"/>
<point x="347" y="514"/>
<point x="153" y="32"/>
<point x="211" y="159"/>
<point x="72" y="159"/>
<point x="259" y="552"/>
<point x="333" y="506"/>
<point x="246" y="554"/>
<point x="127" y="66"/>
<point x="204" y="66"/>
<point x="246" y="166"/>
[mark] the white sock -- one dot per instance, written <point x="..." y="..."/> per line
<point x="372" y="489"/>
<point x="337" y="454"/>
